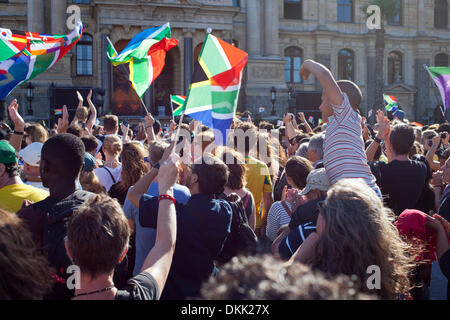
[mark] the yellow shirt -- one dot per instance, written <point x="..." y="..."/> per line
<point x="12" y="196"/>
<point x="258" y="182"/>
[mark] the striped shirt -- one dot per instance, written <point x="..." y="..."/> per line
<point x="276" y="218"/>
<point x="293" y="241"/>
<point x="344" y="153"/>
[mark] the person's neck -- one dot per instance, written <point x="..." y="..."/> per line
<point x="101" y="282"/>
<point x="32" y="178"/>
<point x="110" y="160"/>
<point x="62" y="190"/>
<point x="110" y="132"/>
<point x="397" y="157"/>
<point x="11" y="181"/>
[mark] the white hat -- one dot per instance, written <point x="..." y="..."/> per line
<point x="32" y="154"/>
<point x="316" y="180"/>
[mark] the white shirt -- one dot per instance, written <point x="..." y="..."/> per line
<point x="105" y="178"/>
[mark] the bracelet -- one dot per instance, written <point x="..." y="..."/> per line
<point x="166" y="197"/>
<point x="377" y="140"/>
<point x="18" y="133"/>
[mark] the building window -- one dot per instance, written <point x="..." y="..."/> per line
<point x="441" y="14"/>
<point x="293" y="9"/>
<point x="84" y="56"/>
<point x="293" y="58"/>
<point x="346" y="65"/>
<point x="236" y="3"/>
<point x="397" y="20"/>
<point x="441" y="60"/>
<point x="81" y="1"/>
<point x="345" y="11"/>
<point x="395" y="67"/>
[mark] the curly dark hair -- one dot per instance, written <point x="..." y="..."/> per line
<point x="264" y="277"/>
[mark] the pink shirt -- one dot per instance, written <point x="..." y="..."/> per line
<point x="344" y="153"/>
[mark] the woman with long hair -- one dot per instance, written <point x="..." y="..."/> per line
<point x="110" y="172"/>
<point x="133" y="168"/>
<point x="355" y="236"/>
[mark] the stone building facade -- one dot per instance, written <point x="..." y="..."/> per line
<point x="277" y="34"/>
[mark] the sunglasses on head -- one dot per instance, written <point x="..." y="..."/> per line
<point x="321" y="206"/>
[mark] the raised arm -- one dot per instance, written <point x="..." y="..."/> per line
<point x="149" y="121"/>
<point x="141" y="187"/>
<point x="290" y="130"/>
<point x="159" y="259"/>
<point x="383" y="131"/>
<point x="63" y="123"/>
<point x="93" y="117"/>
<point x="326" y="79"/>
<point x="302" y="118"/>
<point x="19" y="125"/>
<point x="435" y="166"/>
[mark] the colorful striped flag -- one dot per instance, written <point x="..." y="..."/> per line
<point x="40" y="54"/>
<point x="441" y="76"/>
<point x="216" y="81"/>
<point x="417" y="124"/>
<point x="58" y="112"/>
<point x="311" y="119"/>
<point x="11" y="43"/>
<point x="178" y="101"/>
<point x="391" y="103"/>
<point x="320" y="121"/>
<point x="146" y="54"/>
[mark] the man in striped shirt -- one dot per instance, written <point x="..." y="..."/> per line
<point x="344" y="152"/>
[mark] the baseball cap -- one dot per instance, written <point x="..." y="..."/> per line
<point x="7" y="153"/>
<point x="89" y="162"/>
<point x="32" y="154"/>
<point x="316" y="180"/>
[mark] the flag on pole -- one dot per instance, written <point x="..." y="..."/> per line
<point x="216" y="81"/>
<point x="391" y="103"/>
<point x="441" y="76"/>
<point x="179" y="102"/>
<point x="320" y="121"/>
<point x="40" y="53"/>
<point x="11" y="43"/>
<point x="311" y="119"/>
<point x="58" y="112"/>
<point x="146" y="55"/>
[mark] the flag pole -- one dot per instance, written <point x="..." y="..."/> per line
<point x="438" y="95"/>
<point x="124" y="70"/>
<point x="171" y="106"/>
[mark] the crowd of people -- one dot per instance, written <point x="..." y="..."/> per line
<point x="345" y="210"/>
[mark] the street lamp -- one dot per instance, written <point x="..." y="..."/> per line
<point x="30" y="97"/>
<point x="273" y="99"/>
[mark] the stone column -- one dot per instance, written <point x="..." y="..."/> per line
<point x="420" y="16"/>
<point x="187" y="61"/>
<point x="36" y="16"/>
<point x="271" y="30"/>
<point x="254" y="27"/>
<point x="58" y="16"/>
<point x="322" y="14"/>
<point x="106" y="76"/>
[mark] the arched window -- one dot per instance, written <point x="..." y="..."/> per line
<point x="346" y="65"/>
<point x="397" y="20"/>
<point x="441" y="14"/>
<point x="293" y="57"/>
<point x="395" y="67"/>
<point x="293" y="9"/>
<point x="345" y="10"/>
<point x="441" y="60"/>
<point x="84" y="55"/>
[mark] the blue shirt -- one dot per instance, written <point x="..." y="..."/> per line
<point x="203" y="225"/>
<point x="145" y="237"/>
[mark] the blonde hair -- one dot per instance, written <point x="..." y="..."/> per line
<point x="359" y="232"/>
<point x="37" y="133"/>
<point x="113" y="145"/>
<point x="89" y="181"/>
<point x="82" y="114"/>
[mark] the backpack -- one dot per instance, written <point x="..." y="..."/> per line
<point x="58" y="214"/>
<point x="242" y="239"/>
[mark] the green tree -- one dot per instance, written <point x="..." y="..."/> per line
<point x="389" y="10"/>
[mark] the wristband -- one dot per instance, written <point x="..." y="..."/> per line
<point x="157" y="165"/>
<point x="18" y="133"/>
<point x="377" y="140"/>
<point x="166" y="197"/>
